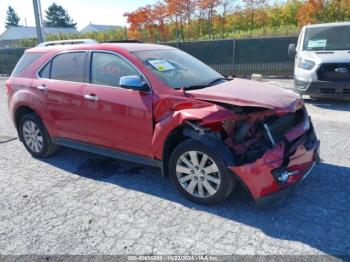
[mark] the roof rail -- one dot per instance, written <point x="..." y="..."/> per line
<point x="124" y="41"/>
<point x="67" y="42"/>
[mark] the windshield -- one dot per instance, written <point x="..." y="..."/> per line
<point x="178" y="69"/>
<point x="327" y="38"/>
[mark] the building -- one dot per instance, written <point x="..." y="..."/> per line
<point x="99" y="28"/>
<point x="14" y="34"/>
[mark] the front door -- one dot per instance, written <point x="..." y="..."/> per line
<point x="115" y="117"/>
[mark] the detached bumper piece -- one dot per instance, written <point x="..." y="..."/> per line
<point x="272" y="177"/>
<point x="279" y="197"/>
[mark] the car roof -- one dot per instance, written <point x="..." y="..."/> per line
<point x="130" y="47"/>
<point x="328" y="24"/>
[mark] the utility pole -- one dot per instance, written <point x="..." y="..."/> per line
<point x="38" y="21"/>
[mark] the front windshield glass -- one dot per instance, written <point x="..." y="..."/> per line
<point x="178" y="69"/>
<point x="327" y="38"/>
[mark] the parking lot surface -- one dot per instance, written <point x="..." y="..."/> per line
<point x="80" y="203"/>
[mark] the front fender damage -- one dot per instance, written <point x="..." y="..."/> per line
<point x="230" y="129"/>
<point x="212" y="140"/>
<point x="181" y="114"/>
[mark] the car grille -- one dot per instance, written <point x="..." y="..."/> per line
<point x="328" y="72"/>
<point x="327" y="90"/>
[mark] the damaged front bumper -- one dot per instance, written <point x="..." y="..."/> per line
<point x="293" y="162"/>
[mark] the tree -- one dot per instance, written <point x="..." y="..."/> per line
<point x="226" y="6"/>
<point x="196" y="19"/>
<point x="337" y="10"/>
<point x="57" y="16"/>
<point x="139" y="21"/>
<point x="176" y="16"/>
<point x="251" y="8"/>
<point x="12" y="18"/>
<point x="159" y="14"/>
<point x="310" y="12"/>
<point x="209" y="7"/>
<point x="289" y="12"/>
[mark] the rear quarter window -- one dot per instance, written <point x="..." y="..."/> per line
<point x="45" y="71"/>
<point x="24" y="62"/>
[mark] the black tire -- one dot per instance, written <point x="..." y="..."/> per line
<point x="227" y="181"/>
<point x="48" y="148"/>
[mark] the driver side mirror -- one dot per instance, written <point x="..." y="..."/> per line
<point x="133" y="82"/>
<point x="291" y="50"/>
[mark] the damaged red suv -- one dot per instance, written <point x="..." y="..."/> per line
<point x="159" y="106"/>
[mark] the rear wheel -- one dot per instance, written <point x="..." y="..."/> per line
<point x="35" y="136"/>
<point x="200" y="174"/>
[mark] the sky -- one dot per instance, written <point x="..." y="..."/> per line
<point x="105" y="12"/>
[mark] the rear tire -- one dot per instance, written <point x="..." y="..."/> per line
<point x="199" y="173"/>
<point x="35" y="137"/>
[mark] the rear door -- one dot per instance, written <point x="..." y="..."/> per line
<point x="61" y="82"/>
<point x="115" y="117"/>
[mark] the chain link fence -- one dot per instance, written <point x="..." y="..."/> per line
<point x="236" y="57"/>
<point x="243" y="57"/>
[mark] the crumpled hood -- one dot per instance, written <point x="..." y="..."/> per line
<point x="243" y="92"/>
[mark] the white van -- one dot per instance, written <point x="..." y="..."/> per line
<point x="322" y="60"/>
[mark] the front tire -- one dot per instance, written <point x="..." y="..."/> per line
<point x="35" y="137"/>
<point x="199" y="173"/>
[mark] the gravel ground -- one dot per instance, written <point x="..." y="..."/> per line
<point x="80" y="203"/>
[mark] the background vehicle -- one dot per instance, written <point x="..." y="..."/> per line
<point x="159" y="106"/>
<point x="322" y="60"/>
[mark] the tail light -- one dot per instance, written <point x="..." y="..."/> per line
<point x="7" y="87"/>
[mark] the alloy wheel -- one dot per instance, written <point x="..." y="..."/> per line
<point x="32" y="136"/>
<point x="198" y="174"/>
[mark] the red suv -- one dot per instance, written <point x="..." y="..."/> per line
<point x="159" y="106"/>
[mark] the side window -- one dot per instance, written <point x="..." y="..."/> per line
<point x="69" y="67"/>
<point x="26" y="60"/>
<point x="45" y="71"/>
<point x="106" y="69"/>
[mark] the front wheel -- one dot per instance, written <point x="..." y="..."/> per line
<point x="199" y="173"/>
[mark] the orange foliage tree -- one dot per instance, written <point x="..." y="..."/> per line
<point x="310" y="12"/>
<point x="194" y="19"/>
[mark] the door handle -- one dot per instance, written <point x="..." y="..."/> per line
<point x="42" y="88"/>
<point x="91" y="97"/>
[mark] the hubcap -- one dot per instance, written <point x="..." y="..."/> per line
<point x="198" y="174"/>
<point x="32" y="136"/>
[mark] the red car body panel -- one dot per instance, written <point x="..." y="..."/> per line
<point x="257" y="176"/>
<point x="243" y="92"/>
<point x="140" y="122"/>
<point x="177" y="114"/>
<point x="62" y="105"/>
<point x="121" y="119"/>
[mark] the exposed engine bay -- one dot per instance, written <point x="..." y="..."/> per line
<point x="255" y="130"/>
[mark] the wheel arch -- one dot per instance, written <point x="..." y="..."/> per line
<point x="190" y="130"/>
<point x="175" y="137"/>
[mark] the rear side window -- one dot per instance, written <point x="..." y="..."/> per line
<point x="26" y="60"/>
<point x="69" y="67"/>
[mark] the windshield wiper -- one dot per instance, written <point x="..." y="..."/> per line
<point x="194" y="87"/>
<point x="217" y="80"/>
<point x="206" y="85"/>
